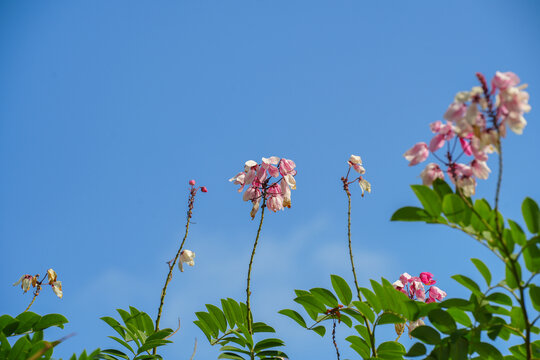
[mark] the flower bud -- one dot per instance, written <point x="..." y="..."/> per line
<point x="204" y="189"/>
<point x="191" y="182"/>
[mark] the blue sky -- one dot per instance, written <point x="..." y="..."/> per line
<point x="107" y="109"/>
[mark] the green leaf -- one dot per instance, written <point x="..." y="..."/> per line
<point x="427" y="334"/>
<point x="260" y="327"/>
<point x="268" y="344"/>
<point x="365" y="310"/>
<point x="531" y="215"/>
<point x="237" y="311"/>
<point x="510" y="278"/>
<point x="230" y="355"/>
<point x="325" y="296"/>
<point x="294" y="315"/>
<point x="534" y="293"/>
<point x="442" y="321"/>
<point x="123" y="343"/>
<point x="460" y="316"/>
<point x="517" y="233"/>
<point x="20" y="348"/>
<point x="50" y="320"/>
<point x="391" y="350"/>
<point x="218" y="316"/>
<point x="483" y="269"/>
<point x="27" y="320"/>
<point x="310" y="302"/>
<point x="531" y="255"/>
<point x="372" y="299"/>
<point x="487" y="351"/>
<point x="389" y="318"/>
<point x="468" y="283"/>
<point x="429" y="199"/>
<point x="209" y="322"/>
<point x="362" y="330"/>
<point x="418" y="349"/>
<point x="459" y="349"/>
<point x="517" y="318"/>
<point x="454" y="208"/>
<point x="342" y="289"/>
<point x="410" y="213"/>
<point x="499" y="298"/>
<point x="228" y="312"/>
<point x="359" y="345"/>
<point x="319" y="330"/>
<point x="441" y="188"/>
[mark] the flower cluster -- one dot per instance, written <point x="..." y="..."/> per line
<point x="413" y="287"/>
<point x="355" y="162"/>
<point x="270" y="181"/>
<point x="477" y="119"/>
<point x="28" y="281"/>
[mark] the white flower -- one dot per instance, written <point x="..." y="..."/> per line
<point x="25" y="281"/>
<point x="57" y="288"/>
<point x="51" y="274"/>
<point x="356" y="162"/>
<point x="364" y="185"/>
<point x="186" y="256"/>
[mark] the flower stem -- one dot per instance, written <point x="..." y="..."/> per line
<point x="191" y="200"/>
<point x="248" y="291"/>
<point x="31" y="302"/>
<point x="334" y="338"/>
<point x="371" y="334"/>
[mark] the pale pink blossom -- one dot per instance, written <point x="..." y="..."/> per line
<point x="445" y="133"/>
<point x="286" y="167"/>
<point x="417" y="154"/>
<point x="268" y="164"/>
<point x="436" y="293"/>
<point x="286" y="193"/>
<point x="430" y="173"/>
<point x="405" y="278"/>
<point x="416" y="288"/>
<point x="188" y="257"/>
<point x="427" y="278"/>
<point x="356" y="162"/>
<point x="480" y="169"/>
<point x="455" y="111"/>
<point x="466" y="146"/>
<point x="252" y="193"/>
<point x="467" y="185"/>
<point x="398" y="285"/>
<point x="275" y="203"/>
<point x="436" y="126"/>
<point x="239" y="179"/>
<point x="249" y="165"/>
<point x="504" y="80"/>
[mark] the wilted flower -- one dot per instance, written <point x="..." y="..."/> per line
<point x="51" y="274"/>
<point x="186" y="256"/>
<point x="26" y="282"/>
<point x="356" y="162"/>
<point x="57" y="288"/>
<point x="430" y="173"/>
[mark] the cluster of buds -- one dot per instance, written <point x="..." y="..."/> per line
<point x="477" y="119"/>
<point x="355" y="162"/>
<point x="270" y="181"/>
<point x="413" y="287"/>
<point x="28" y="281"/>
<point x="188" y="257"/>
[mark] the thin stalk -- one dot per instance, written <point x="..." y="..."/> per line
<point x="248" y="289"/>
<point x="334" y="338"/>
<point x="168" y="279"/>
<point x="371" y="334"/>
<point x="31" y="302"/>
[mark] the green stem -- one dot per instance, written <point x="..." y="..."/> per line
<point x="172" y="265"/>
<point x="248" y="289"/>
<point x="371" y="334"/>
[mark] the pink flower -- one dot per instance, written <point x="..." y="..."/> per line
<point x="286" y="167"/>
<point x="267" y="164"/>
<point x="430" y="173"/>
<point x="405" y="278"/>
<point x="239" y="179"/>
<point x="416" y="288"/>
<point x="436" y="294"/>
<point x="191" y="182"/>
<point x="252" y="193"/>
<point x="275" y="203"/>
<point x="444" y="133"/>
<point x="398" y="285"/>
<point x="418" y="153"/>
<point x="480" y="169"/>
<point x="466" y="146"/>
<point x="286" y="193"/>
<point x="356" y="162"/>
<point x="427" y="278"/>
<point x="455" y="111"/>
<point x="435" y="126"/>
<point x="503" y="81"/>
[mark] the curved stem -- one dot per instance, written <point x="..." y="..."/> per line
<point x="371" y="334"/>
<point x="168" y="279"/>
<point x="248" y="291"/>
<point x="31" y="302"/>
